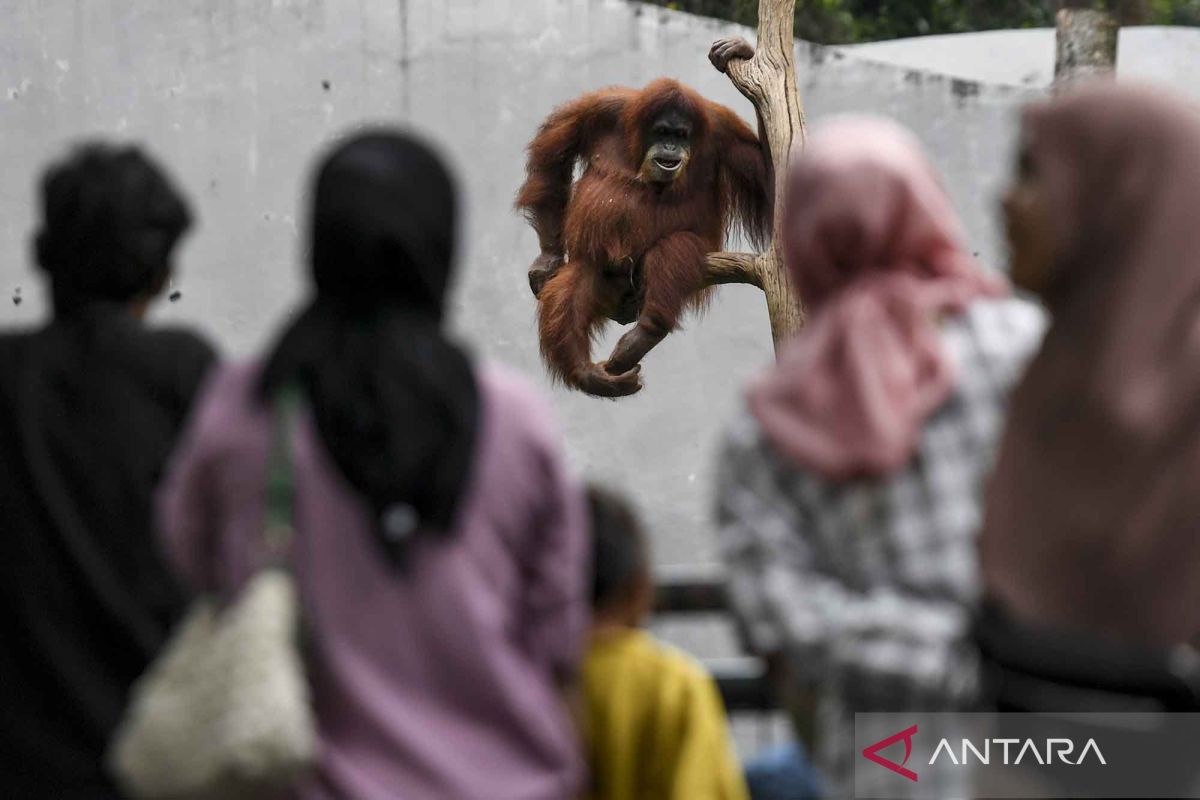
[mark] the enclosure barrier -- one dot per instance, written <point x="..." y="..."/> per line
<point x="742" y="680"/>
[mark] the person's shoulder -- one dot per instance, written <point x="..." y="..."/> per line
<point x="514" y="399"/>
<point x="235" y="380"/>
<point x="15" y="355"/>
<point x="680" y="670"/>
<point x="177" y="358"/>
<point x="1006" y="324"/>
<point x="181" y="357"/>
<point x="990" y="344"/>
<point x="502" y="380"/>
<point x="228" y="393"/>
<point x="1013" y="309"/>
<point x="13" y="342"/>
<point x="993" y="339"/>
<point x="745" y="447"/>
<point x="236" y="375"/>
<point x="178" y="343"/>
<point x="641" y="652"/>
<point x="742" y="430"/>
<point x="678" y="662"/>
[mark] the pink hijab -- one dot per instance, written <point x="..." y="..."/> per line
<point x="876" y="251"/>
<point x="1093" y="514"/>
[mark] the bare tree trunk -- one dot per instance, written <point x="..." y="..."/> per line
<point x="1086" y="45"/>
<point x="768" y="80"/>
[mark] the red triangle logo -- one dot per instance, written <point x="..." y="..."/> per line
<point x="872" y="752"/>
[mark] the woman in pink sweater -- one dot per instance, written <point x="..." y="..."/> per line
<point x="440" y="545"/>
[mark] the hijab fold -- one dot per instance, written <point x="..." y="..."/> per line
<point x="1093" y="515"/>
<point x="875" y="250"/>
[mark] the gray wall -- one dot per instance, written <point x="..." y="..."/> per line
<point x="231" y="94"/>
<point x="1163" y="55"/>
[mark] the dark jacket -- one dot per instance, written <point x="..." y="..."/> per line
<point x="90" y="408"/>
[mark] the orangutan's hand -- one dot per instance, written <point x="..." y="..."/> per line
<point x="598" y="382"/>
<point x="725" y="50"/>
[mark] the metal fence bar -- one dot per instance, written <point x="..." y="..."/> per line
<point x="742" y="680"/>
<point x="690" y="590"/>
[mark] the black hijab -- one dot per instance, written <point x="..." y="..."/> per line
<point x="395" y="402"/>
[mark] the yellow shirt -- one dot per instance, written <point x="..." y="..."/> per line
<point x="654" y="724"/>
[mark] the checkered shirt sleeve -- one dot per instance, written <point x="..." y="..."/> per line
<point x="867" y="585"/>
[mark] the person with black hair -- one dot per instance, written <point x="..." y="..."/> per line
<point x="653" y="721"/>
<point x="90" y="407"/>
<point x="440" y="544"/>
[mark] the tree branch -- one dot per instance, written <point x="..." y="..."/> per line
<point x="768" y="80"/>
<point x="733" y="268"/>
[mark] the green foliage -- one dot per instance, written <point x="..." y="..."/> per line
<point x="844" y="21"/>
<point x="1175" y="12"/>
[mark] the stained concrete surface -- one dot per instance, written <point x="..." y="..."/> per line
<point x="1163" y="55"/>
<point x="237" y="96"/>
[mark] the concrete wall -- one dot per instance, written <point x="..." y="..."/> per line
<point x="237" y="95"/>
<point x="1163" y="55"/>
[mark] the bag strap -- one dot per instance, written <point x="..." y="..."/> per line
<point x="280" y="485"/>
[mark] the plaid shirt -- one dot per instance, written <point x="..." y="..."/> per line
<point x="866" y="587"/>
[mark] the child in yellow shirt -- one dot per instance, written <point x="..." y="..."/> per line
<point x="654" y="723"/>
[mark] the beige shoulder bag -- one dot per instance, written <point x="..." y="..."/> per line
<point x="224" y="711"/>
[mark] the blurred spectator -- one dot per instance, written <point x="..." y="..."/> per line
<point x="440" y="547"/>
<point x="850" y="491"/>
<point x="1093" y="516"/>
<point x="783" y="772"/>
<point x="654" y="723"/>
<point x="90" y="407"/>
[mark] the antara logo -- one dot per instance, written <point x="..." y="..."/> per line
<point x="872" y="753"/>
<point x="1060" y="749"/>
<point x="1050" y="751"/>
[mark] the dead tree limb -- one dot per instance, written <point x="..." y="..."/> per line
<point x="768" y="80"/>
<point x="733" y="268"/>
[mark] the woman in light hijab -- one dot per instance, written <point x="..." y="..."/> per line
<point x="1093" y="516"/>
<point x="440" y="546"/>
<point x="851" y="490"/>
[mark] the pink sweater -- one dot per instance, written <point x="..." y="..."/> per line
<point x="438" y="683"/>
